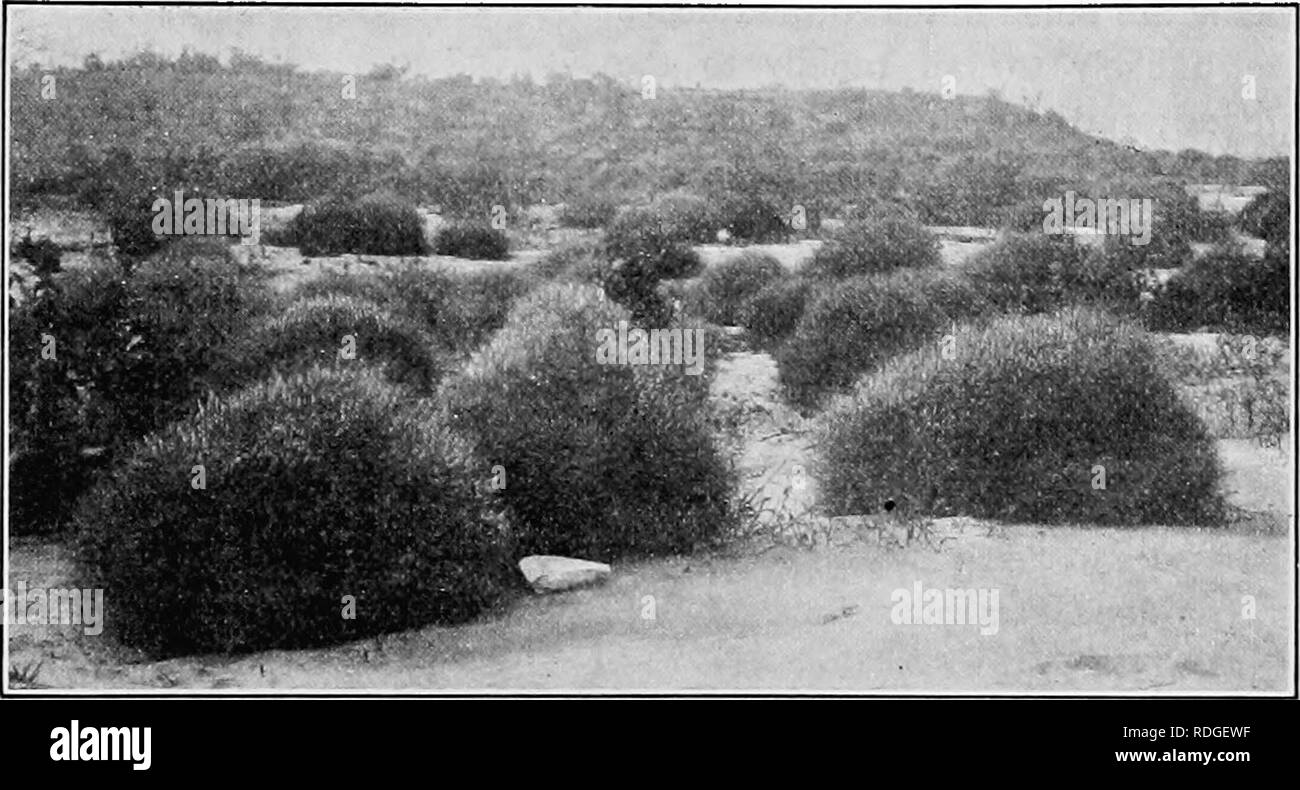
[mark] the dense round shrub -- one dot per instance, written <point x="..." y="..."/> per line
<point x="339" y="331"/>
<point x="1036" y="273"/>
<point x="686" y="216"/>
<point x="1227" y="290"/>
<point x="726" y="287"/>
<point x="771" y="314"/>
<point x="377" y="224"/>
<point x="186" y="305"/>
<point x="850" y="328"/>
<point x="948" y="291"/>
<point x="601" y="460"/>
<point x="1047" y="419"/>
<point x="473" y="241"/>
<point x="308" y="489"/>
<point x="98" y="358"/>
<point x="874" y="245"/>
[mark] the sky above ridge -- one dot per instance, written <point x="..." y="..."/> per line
<point x="1172" y="79"/>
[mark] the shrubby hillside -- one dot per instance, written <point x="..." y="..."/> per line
<point x="268" y="130"/>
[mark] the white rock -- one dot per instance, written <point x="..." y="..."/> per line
<point x="553" y="574"/>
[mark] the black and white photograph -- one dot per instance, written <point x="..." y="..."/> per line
<point x="652" y="350"/>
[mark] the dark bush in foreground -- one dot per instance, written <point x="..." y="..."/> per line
<point x="1227" y="290"/>
<point x="601" y="460"/>
<point x="473" y="241"/>
<point x="771" y="314"/>
<point x="725" y="288"/>
<point x="334" y="331"/>
<point x="98" y="358"/>
<point x="850" y="328"/>
<point x="316" y="487"/>
<point x="874" y="245"/>
<point x="1021" y="425"/>
<point x="373" y="225"/>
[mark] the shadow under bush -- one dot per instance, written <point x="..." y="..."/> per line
<point x="602" y="460"/>
<point x="1022" y="425"/>
<point x="319" y="486"/>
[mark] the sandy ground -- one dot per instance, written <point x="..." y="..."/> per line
<point x="794" y="256"/>
<point x="1155" y="610"/>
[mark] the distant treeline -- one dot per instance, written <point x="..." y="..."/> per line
<point x="110" y="132"/>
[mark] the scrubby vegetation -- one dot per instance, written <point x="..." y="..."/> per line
<point x="1050" y="419"/>
<point x="645" y="246"/>
<point x="726" y="288"/>
<point x="875" y="245"/>
<point x="1036" y="273"/>
<point x="250" y="525"/>
<point x="772" y="314"/>
<point x="473" y="241"/>
<point x="331" y="331"/>
<point x="377" y="224"/>
<point x="600" y="461"/>
<point x="851" y="328"/>
<point x="99" y="357"/>
<point x="1227" y="290"/>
